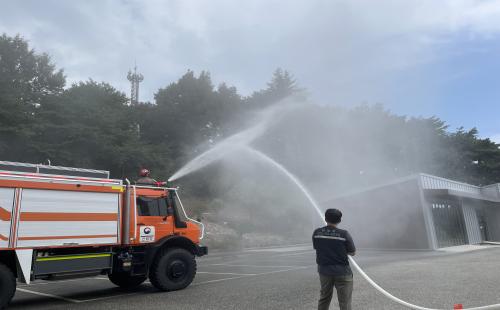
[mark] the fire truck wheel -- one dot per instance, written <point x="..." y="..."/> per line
<point x="126" y="281"/>
<point x="173" y="269"/>
<point x="7" y="285"/>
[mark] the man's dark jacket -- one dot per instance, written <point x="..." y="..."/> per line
<point x="332" y="246"/>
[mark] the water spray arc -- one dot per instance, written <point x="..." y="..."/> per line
<point x="294" y="179"/>
<point x="238" y="140"/>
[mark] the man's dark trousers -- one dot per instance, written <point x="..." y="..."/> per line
<point x="343" y="285"/>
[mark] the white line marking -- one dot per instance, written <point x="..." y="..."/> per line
<point x="278" y="247"/>
<point x="50" y="295"/>
<point x="109" y="297"/>
<point x="218" y="280"/>
<point x="263" y="266"/>
<point x="259" y="274"/>
<point x="136" y="293"/>
<point x="252" y="252"/>
<point x="106" y="279"/>
<point x="228" y="273"/>
<point x="281" y="250"/>
<point x="58" y="281"/>
<point x="293" y="254"/>
<point x="248" y="251"/>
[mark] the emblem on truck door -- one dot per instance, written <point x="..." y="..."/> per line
<point x="147" y="234"/>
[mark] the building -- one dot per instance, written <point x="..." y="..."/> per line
<point x="421" y="212"/>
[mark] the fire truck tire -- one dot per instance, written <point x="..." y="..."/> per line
<point x="7" y="285"/>
<point x="126" y="281"/>
<point x="173" y="269"/>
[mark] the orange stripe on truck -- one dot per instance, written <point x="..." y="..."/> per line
<point x="2" y="237"/>
<point x="4" y="214"/>
<point x="69" y="217"/>
<point x="67" y="237"/>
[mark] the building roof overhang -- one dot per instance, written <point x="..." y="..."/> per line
<point x="445" y="193"/>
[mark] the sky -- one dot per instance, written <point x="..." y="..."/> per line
<point x="417" y="57"/>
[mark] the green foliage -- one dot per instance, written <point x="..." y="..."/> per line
<point x="282" y="85"/>
<point x="472" y="159"/>
<point x="90" y="125"/>
<point x="27" y="80"/>
<point x="188" y="110"/>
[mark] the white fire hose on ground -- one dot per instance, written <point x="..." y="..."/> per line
<point x="402" y="302"/>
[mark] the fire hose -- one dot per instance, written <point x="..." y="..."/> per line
<point x="363" y="274"/>
<point x="402" y="302"/>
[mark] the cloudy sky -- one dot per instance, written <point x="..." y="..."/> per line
<point x="418" y="57"/>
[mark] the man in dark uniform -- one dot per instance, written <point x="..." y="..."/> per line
<point x="332" y="246"/>
<point x="145" y="178"/>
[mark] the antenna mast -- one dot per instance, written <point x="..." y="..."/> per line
<point x="134" y="78"/>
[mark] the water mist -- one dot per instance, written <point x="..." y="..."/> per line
<point x="241" y="142"/>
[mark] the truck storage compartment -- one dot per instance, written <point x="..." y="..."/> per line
<point x="67" y="218"/>
<point x="46" y="265"/>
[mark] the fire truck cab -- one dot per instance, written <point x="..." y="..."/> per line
<point x="60" y="222"/>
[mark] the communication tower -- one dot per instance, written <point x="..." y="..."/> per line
<point x="134" y="78"/>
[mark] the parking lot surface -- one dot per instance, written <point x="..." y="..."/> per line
<point x="286" y="278"/>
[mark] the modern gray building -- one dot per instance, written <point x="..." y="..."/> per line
<point x="421" y="212"/>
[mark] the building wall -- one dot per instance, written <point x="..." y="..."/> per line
<point x="385" y="217"/>
<point x="492" y="217"/>
<point x="471" y="223"/>
<point x="471" y="208"/>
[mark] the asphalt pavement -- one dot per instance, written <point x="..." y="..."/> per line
<point x="286" y="278"/>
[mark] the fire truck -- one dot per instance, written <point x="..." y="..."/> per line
<point x="59" y="222"/>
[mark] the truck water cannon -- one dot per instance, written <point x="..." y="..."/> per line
<point x="166" y="184"/>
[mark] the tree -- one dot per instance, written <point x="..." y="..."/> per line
<point x="186" y="108"/>
<point x="471" y="158"/>
<point x="27" y="80"/>
<point x="90" y="125"/>
<point x="282" y="85"/>
<point x="26" y="77"/>
<point x="193" y="113"/>
<point x="190" y="116"/>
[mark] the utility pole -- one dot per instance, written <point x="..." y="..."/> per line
<point x="134" y="78"/>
